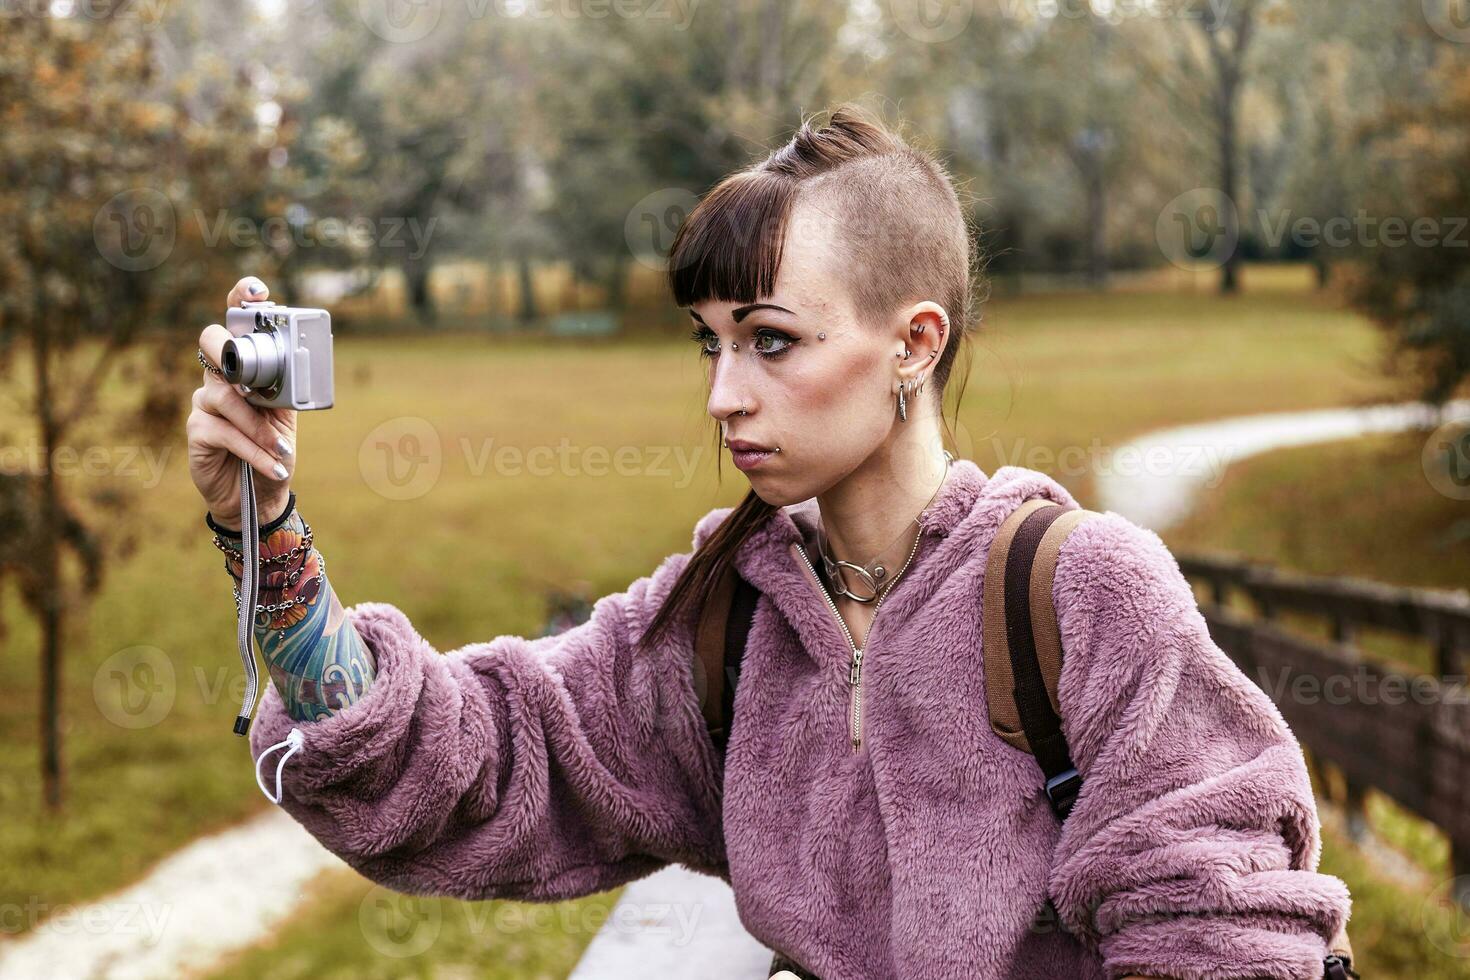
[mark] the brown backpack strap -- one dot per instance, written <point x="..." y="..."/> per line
<point x="1048" y="636"/>
<point x="1022" y="645"/>
<point x="1005" y="718"/>
<point x="709" y="652"/>
<point x="1339" y="947"/>
<point x="719" y="650"/>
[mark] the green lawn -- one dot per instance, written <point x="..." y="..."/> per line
<point x="1049" y="373"/>
<point x="351" y="929"/>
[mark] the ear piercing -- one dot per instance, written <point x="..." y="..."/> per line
<point x="822" y="335"/>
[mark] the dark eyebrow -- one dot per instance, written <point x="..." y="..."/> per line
<point x="740" y="311"/>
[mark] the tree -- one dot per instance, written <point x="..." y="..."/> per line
<point x="1332" y="76"/>
<point x="424" y="164"/>
<point x="101" y="155"/>
<point x="1414" y="281"/>
<point x="1201" y="59"/>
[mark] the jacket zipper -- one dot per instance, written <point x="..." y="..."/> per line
<point x="855" y="668"/>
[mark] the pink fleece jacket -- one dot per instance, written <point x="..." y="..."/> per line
<point x="555" y="767"/>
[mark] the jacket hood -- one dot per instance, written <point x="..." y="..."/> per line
<point x="958" y="524"/>
<point x="967" y="502"/>
<point x="963" y="516"/>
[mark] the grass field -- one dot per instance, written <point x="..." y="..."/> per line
<point x="474" y="551"/>
<point x="349" y="929"/>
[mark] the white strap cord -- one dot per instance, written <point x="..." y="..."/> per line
<point x="291" y="743"/>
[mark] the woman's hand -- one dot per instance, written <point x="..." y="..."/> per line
<point x="224" y="428"/>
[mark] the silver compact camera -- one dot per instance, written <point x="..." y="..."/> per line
<point x="282" y="355"/>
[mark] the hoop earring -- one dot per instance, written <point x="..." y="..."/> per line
<point x="907" y="389"/>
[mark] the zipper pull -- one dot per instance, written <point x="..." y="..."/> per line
<point x="856" y="672"/>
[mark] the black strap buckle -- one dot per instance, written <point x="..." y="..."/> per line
<point x="1062" y="789"/>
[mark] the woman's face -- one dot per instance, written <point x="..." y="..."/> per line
<point x="828" y="403"/>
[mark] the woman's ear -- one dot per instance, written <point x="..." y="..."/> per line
<point x="923" y="335"/>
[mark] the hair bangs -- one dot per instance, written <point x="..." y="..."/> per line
<point x="729" y="248"/>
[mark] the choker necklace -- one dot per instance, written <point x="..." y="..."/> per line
<point x="874" y="575"/>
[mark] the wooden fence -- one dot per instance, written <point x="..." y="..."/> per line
<point x="1401" y="730"/>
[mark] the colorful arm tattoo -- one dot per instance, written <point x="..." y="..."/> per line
<point x="316" y="658"/>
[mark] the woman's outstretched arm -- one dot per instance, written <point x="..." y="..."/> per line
<point x="540" y="769"/>
<point x="1192" y="849"/>
<point x="316" y="660"/>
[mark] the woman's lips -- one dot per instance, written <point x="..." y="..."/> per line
<point x="748" y="459"/>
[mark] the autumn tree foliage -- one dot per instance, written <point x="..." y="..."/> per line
<point x="106" y="152"/>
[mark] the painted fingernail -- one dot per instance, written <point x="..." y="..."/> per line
<point x="282" y="446"/>
<point x="257" y="287"/>
<point x="279" y="471"/>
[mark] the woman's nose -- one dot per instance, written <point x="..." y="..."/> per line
<point x="727" y="394"/>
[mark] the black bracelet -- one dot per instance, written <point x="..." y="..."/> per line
<point x="265" y="529"/>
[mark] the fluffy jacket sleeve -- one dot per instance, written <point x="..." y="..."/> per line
<point x="537" y="769"/>
<point x="1192" y="849"/>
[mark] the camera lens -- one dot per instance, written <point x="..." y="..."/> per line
<point x="255" y="360"/>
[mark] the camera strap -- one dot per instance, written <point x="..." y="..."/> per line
<point x="245" y="632"/>
<point x="249" y="593"/>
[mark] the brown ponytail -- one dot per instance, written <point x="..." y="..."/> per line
<point x="903" y="237"/>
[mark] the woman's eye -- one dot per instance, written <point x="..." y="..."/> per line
<point x="780" y="340"/>
<point x="704" y="339"/>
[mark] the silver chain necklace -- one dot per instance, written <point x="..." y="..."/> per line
<point x="874" y="575"/>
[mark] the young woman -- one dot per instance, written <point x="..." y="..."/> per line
<point x="869" y="820"/>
